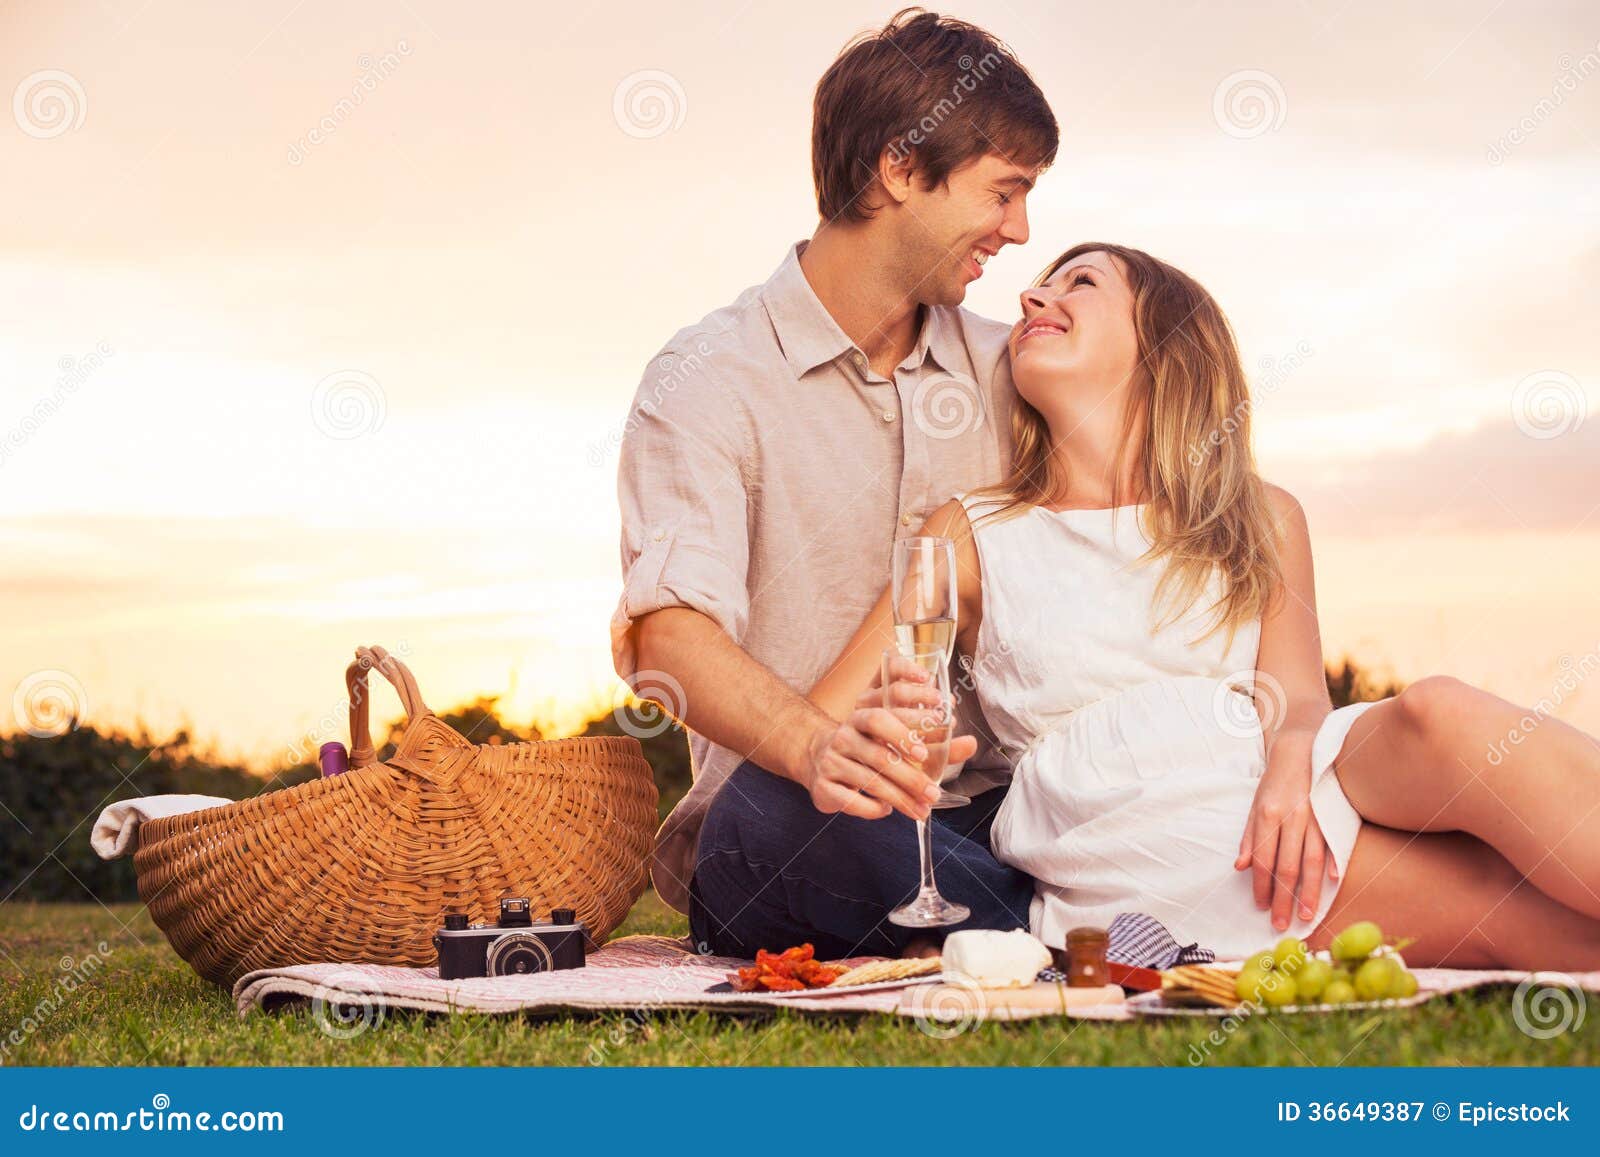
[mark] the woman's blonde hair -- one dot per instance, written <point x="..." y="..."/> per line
<point x="1206" y="507"/>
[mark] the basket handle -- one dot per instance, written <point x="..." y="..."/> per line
<point x="362" y="753"/>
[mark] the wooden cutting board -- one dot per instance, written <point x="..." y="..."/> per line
<point x="1006" y="1003"/>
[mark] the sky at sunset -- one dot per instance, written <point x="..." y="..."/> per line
<point x="318" y="325"/>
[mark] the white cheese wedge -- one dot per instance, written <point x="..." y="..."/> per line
<point x="994" y="959"/>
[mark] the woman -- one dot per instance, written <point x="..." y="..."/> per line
<point x="1131" y="585"/>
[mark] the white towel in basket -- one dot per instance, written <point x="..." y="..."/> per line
<point x="114" y="830"/>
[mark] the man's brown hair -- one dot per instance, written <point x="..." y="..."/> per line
<point x="939" y="90"/>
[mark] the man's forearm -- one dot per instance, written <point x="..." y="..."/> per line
<point x="730" y="698"/>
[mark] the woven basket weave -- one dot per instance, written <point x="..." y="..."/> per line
<point x="361" y="867"/>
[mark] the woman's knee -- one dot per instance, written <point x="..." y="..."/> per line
<point x="1434" y="709"/>
<point x="1446" y="729"/>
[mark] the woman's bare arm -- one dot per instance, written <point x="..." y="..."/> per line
<point x="1281" y="842"/>
<point x="1291" y="640"/>
<point x="856" y="671"/>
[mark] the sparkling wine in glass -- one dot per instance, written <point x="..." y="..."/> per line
<point x="931" y="725"/>
<point x="925" y="594"/>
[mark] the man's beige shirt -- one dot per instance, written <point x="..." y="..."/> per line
<point x="766" y="471"/>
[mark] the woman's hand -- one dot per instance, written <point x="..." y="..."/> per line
<point x="870" y="764"/>
<point x="1282" y="841"/>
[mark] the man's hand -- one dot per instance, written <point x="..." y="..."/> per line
<point x="870" y="764"/>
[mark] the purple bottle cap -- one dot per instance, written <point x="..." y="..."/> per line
<point x="333" y="757"/>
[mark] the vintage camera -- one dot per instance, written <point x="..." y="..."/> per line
<point x="517" y="944"/>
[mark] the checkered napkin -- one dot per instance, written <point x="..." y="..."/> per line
<point x="1144" y="942"/>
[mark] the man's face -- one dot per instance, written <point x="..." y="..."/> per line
<point x="949" y="231"/>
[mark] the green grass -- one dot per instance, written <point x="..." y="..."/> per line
<point x="145" y="1007"/>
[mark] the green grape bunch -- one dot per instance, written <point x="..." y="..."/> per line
<point x="1359" y="966"/>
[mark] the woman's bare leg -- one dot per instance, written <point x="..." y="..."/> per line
<point x="1440" y="757"/>
<point x="1464" y="903"/>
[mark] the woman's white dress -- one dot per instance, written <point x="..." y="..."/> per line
<point x="1136" y="753"/>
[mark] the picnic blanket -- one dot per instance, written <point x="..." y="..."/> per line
<point x="646" y="973"/>
<point x="631" y="974"/>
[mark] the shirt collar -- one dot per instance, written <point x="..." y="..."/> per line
<point x="809" y="337"/>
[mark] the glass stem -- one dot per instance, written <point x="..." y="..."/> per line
<point x="925" y="847"/>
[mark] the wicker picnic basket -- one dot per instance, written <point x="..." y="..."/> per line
<point x="361" y="867"/>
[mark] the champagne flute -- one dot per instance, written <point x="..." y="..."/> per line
<point x="925" y="595"/>
<point x="932" y="728"/>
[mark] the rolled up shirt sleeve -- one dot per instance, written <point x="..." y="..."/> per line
<point x="680" y="486"/>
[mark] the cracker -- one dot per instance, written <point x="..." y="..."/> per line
<point x="1192" y="981"/>
<point x="878" y="971"/>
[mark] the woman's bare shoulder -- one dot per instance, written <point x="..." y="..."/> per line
<point x="1284" y="506"/>
<point x="949" y="521"/>
<point x="1288" y="516"/>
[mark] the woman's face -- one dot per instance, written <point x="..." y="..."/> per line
<point x="1076" y="340"/>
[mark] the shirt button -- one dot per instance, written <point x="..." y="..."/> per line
<point x="905" y="520"/>
<point x="660" y="534"/>
<point x="860" y="361"/>
<point x="888" y="415"/>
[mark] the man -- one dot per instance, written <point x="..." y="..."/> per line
<point x="776" y="450"/>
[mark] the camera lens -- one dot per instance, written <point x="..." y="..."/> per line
<point x="517" y="953"/>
